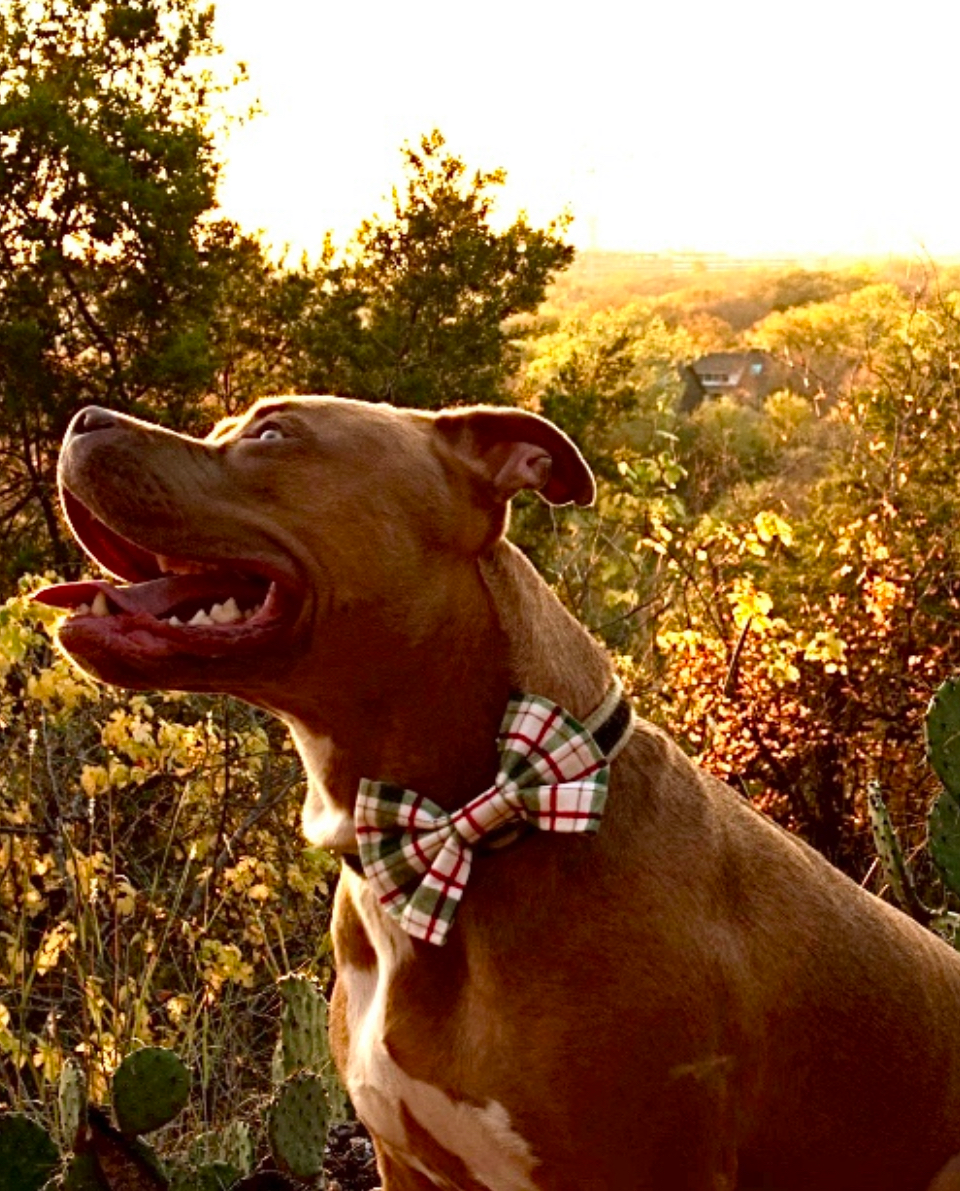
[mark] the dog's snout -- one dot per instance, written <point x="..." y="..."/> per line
<point x="93" y="418"/>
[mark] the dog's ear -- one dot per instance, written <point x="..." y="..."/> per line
<point x="510" y="449"/>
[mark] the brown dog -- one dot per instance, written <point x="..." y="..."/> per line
<point x="687" y="1000"/>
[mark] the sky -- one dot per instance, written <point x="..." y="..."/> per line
<point x="747" y="127"/>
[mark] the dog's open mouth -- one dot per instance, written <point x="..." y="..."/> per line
<point x="166" y="606"/>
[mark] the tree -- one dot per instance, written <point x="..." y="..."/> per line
<point x="611" y="380"/>
<point x="840" y="343"/>
<point x="254" y="329"/>
<point x="419" y="313"/>
<point x="110" y="264"/>
<point x="799" y="664"/>
<point x="801" y="287"/>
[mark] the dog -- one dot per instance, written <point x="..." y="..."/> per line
<point x="618" y="978"/>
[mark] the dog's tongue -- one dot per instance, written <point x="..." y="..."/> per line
<point x="156" y="596"/>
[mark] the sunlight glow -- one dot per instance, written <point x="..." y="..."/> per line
<point x="747" y="128"/>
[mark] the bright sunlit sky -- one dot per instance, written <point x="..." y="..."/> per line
<point x="751" y="127"/>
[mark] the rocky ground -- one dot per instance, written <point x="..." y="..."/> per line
<point x="350" y="1164"/>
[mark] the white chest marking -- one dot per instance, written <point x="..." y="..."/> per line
<point x="325" y="822"/>
<point x="495" y="1155"/>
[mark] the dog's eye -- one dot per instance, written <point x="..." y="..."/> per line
<point x="266" y="433"/>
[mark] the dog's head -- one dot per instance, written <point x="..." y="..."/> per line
<point x="234" y="550"/>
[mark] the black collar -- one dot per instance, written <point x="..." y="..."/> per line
<point x="614" y="729"/>
<point x="352" y="861"/>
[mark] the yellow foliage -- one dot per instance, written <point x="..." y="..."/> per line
<point x="47" y="1057"/>
<point x="125" y="898"/>
<point x="87" y="872"/>
<point x="119" y="812"/>
<point x="770" y="526"/>
<point x="880" y="597"/>
<point x="61" y="687"/>
<point x="828" y="648"/>
<point x="55" y="944"/>
<point x="94" y="779"/>
<point x="750" y="604"/>
<point x="178" y="1008"/>
<point x="12" y="1044"/>
<point x="223" y="963"/>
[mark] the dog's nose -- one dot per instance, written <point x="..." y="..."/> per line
<point x="92" y="418"/>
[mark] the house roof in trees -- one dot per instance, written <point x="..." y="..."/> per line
<point x="721" y="371"/>
<point x="744" y="376"/>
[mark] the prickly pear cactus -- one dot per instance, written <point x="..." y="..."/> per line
<point x="943" y="750"/>
<point x="71" y="1104"/>
<point x="215" y="1176"/>
<point x="297" y="1125"/>
<point x="28" y="1156"/>
<point x="302" y="1024"/>
<point x="236" y="1146"/>
<point x="336" y="1095"/>
<point x="232" y="1146"/>
<point x="943" y="734"/>
<point x="149" y="1088"/>
<point x="337" y="1098"/>
<point x="889" y="852"/>
<point x="304" y="1043"/>
<point x="943" y="835"/>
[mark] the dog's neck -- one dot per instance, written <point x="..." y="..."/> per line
<point x="432" y="706"/>
<point x="550" y="653"/>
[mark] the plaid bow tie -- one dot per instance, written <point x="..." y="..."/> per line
<point x="553" y="775"/>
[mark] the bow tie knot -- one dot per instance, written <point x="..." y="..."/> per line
<point x="553" y="775"/>
<point x="486" y="814"/>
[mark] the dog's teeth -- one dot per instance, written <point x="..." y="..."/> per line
<point x="200" y="617"/>
<point x="175" y="621"/>
<point x="82" y="610"/>
<point x="100" y="606"/>
<point x="226" y="613"/>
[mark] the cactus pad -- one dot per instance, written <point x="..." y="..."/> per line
<point x="149" y="1088"/>
<point x="304" y="1043"/>
<point x="943" y="734"/>
<point x="231" y="1146"/>
<point x="303" y="1024"/>
<point x="28" y="1156"/>
<point x="297" y="1125"/>
<point x="215" y="1176"/>
<point x="237" y="1147"/>
<point x="889" y="852"/>
<point x="943" y="833"/>
<point x="71" y="1103"/>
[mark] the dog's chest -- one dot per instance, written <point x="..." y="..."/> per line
<point x="458" y="1146"/>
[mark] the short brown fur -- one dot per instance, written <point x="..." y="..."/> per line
<point x="690" y="1001"/>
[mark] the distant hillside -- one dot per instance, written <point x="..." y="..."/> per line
<point x="737" y="291"/>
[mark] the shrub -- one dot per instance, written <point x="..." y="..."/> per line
<point x="152" y="878"/>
